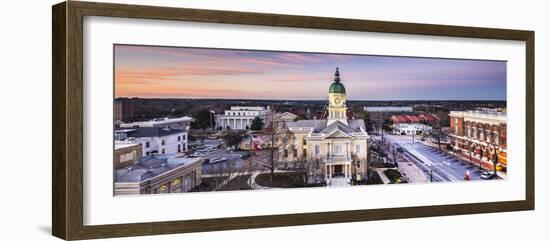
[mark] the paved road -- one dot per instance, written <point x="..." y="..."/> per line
<point x="438" y="165"/>
<point x="235" y="161"/>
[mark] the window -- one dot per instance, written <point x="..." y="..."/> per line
<point x="163" y="151"/>
<point x="285" y="152"/>
<point x="295" y="152"/>
<point x="317" y="149"/>
<point x="128" y="157"/>
<point x="337" y="149"/>
<point x="163" y="142"/>
<point x="146" y="144"/>
<point x="179" y="148"/>
<point x="179" y="138"/>
<point x="469" y="133"/>
<point x="147" y="153"/>
<point x="163" y="189"/>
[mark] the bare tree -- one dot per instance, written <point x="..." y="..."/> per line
<point x="311" y="169"/>
<point x="378" y="120"/>
<point x="495" y="148"/>
<point x="393" y="153"/>
<point x="385" y="150"/>
<point x="251" y="160"/>
<point x="437" y="133"/>
<point x="222" y="172"/>
<point x="472" y="146"/>
<point x="218" y="175"/>
<point x="279" y="138"/>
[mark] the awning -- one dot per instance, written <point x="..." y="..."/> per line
<point x="502" y="158"/>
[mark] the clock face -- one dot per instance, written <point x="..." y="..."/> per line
<point x="337" y="101"/>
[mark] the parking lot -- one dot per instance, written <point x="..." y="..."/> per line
<point x="217" y="157"/>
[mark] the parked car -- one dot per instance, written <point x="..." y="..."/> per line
<point x="216" y="160"/>
<point x="488" y="175"/>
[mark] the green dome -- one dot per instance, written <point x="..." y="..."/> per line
<point x="337" y="87"/>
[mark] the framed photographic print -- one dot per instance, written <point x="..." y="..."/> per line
<point x="171" y="120"/>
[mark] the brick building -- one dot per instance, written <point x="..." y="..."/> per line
<point x="479" y="135"/>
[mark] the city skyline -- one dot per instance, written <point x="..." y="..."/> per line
<point x="177" y="72"/>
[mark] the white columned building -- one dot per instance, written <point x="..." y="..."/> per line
<point x="241" y="117"/>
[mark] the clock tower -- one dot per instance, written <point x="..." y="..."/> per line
<point x="337" y="101"/>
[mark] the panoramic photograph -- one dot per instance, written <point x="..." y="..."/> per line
<point x="192" y="119"/>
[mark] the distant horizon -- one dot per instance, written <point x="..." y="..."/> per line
<point x="206" y="73"/>
<point x="185" y="98"/>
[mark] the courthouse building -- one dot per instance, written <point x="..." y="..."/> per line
<point x="334" y="149"/>
<point x="479" y="133"/>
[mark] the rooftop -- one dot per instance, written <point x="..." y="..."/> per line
<point x="320" y="126"/>
<point x="149" y="131"/>
<point x="483" y="114"/>
<point x="120" y="145"/>
<point x="248" y="108"/>
<point x="158" y="121"/>
<point x="152" y="166"/>
<point x="388" y="109"/>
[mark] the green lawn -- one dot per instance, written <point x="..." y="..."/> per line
<point x="374" y="178"/>
<point x="394" y="175"/>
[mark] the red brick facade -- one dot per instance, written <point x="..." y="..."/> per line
<point x="475" y="137"/>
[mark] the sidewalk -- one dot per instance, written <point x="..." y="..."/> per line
<point x="412" y="172"/>
<point x="253" y="183"/>
<point x="485" y="165"/>
<point x="383" y="176"/>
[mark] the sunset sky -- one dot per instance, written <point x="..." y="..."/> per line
<point x="168" y="72"/>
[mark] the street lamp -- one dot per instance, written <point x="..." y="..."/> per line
<point x="481" y="155"/>
<point x="471" y="145"/>
<point x="496" y="152"/>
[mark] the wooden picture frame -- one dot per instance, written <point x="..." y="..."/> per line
<point x="67" y="137"/>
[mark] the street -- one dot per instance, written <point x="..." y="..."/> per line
<point x="234" y="160"/>
<point x="436" y="165"/>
